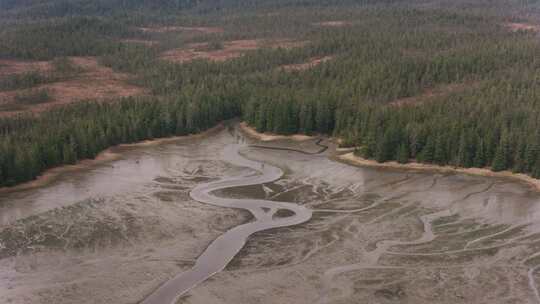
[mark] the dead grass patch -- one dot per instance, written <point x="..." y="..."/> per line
<point x="313" y="62"/>
<point x="283" y="43"/>
<point x="95" y="82"/>
<point x="230" y="49"/>
<point x="516" y="27"/>
<point x="12" y="67"/>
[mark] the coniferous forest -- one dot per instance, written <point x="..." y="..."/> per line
<point x="450" y="83"/>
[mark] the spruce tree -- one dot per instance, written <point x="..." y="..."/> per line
<point x="439" y="154"/>
<point x="500" y="162"/>
<point x="428" y="152"/>
<point x="403" y="153"/>
<point x="479" y="158"/>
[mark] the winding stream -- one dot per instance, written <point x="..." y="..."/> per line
<point x="222" y="250"/>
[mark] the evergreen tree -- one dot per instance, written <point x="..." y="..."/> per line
<point x="428" y="152"/>
<point x="500" y="162"/>
<point x="479" y="158"/>
<point x="439" y="154"/>
<point x="369" y="146"/>
<point x="403" y="153"/>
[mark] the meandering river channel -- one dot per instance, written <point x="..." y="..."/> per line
<point x="225" y="247"/>
<point x="227" y="219"/>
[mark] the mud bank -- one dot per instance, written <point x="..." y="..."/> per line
<point x="357" y="160"/>
<point x="108" y="155"/>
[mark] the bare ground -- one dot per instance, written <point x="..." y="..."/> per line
<point x="11" y="67"/>
<point x="96" y="82"/>
<point x="523" y="27"/>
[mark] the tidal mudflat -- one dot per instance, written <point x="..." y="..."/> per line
<point x="118" y="231"/>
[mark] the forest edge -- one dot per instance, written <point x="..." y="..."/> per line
<point x="108" y="155"/>
<point x="342" y="155"/>
<point x="346" y="155"/>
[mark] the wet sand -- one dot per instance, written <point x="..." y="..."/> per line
<point x="116" y="232"/>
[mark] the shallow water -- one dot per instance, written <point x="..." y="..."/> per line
<point x="384" y="220"/>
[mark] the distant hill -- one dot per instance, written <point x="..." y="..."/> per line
<point x="61" y="8"/>
<point x="57" y="8"/>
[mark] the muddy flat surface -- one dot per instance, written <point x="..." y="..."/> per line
<point x="114" y="233"/>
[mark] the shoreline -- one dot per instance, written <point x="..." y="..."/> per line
<point x="354" y="160"/>
<point x="105" y="156"/>
<point x="251" y="132"/>
<point x="346" y="155"/>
